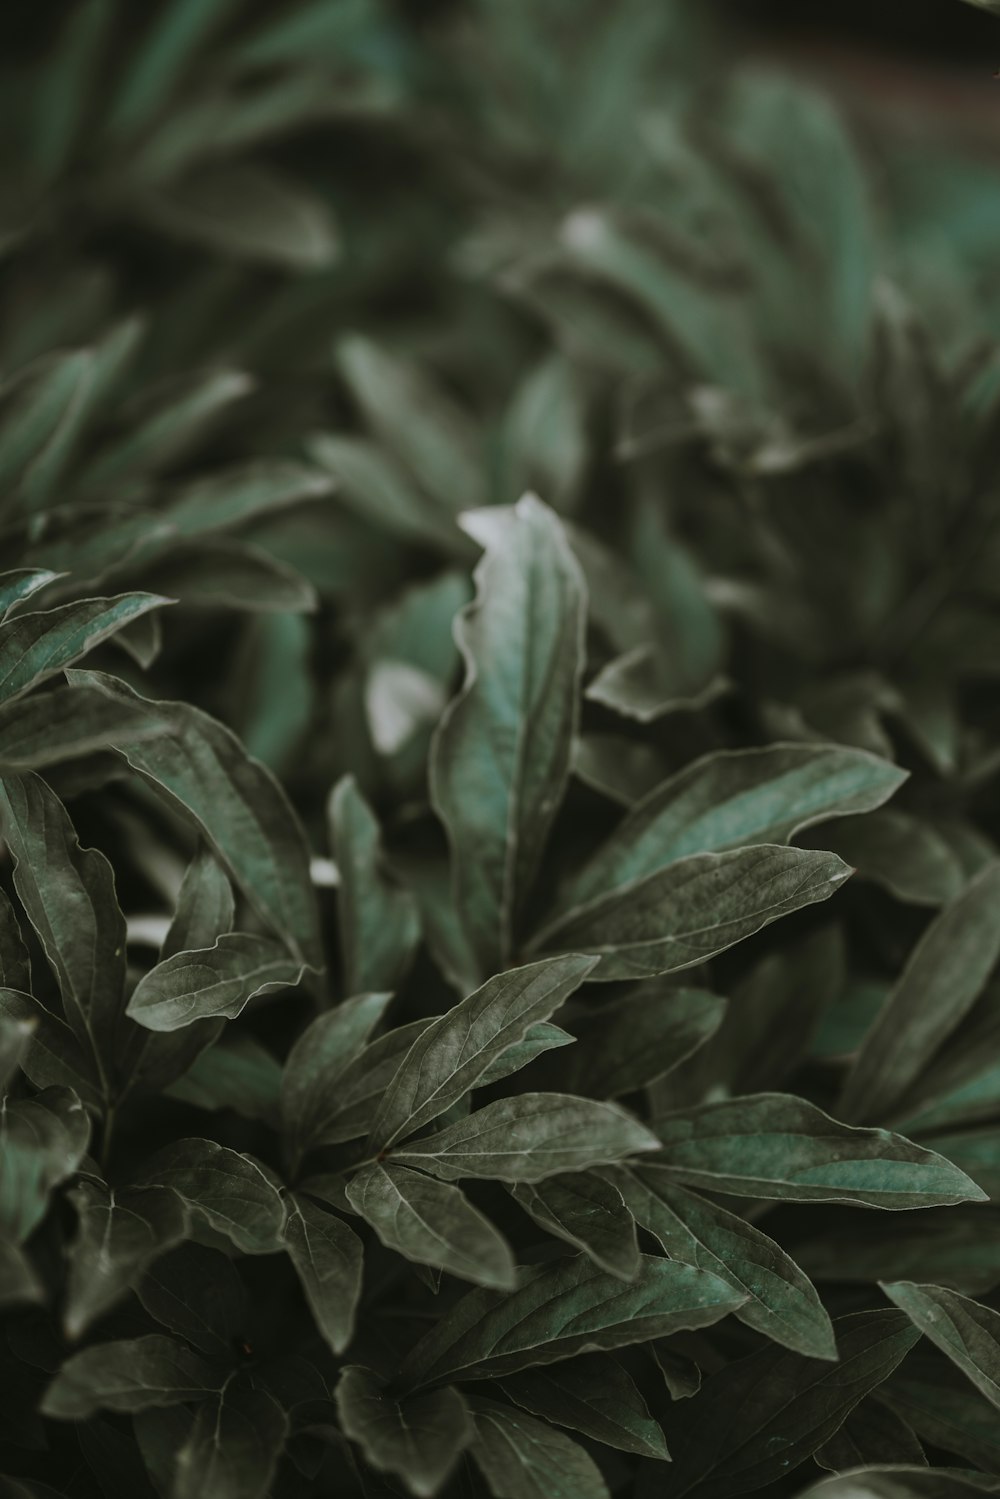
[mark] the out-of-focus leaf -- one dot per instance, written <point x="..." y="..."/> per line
<point x="522" y="1458"/>
<point x="377" y="917"/>
<point x="119" y="1233"/>
<point x="327" y="1258"/>
<point x="418" y="1437"/>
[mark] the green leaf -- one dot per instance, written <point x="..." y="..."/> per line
<point x="231" y="574"/>
<point x="327" y="1258"/>
<point x="119" y="1233"/>
<point x="34" y="647"/>
<point x="363" y="1083"/>
<point x="52" y="1056"/>
<point x="638" y="685"/>
<point x="968" y="1333"/>
<point x="18" y="1282"/>
<point x="449" y="1058"/>
<point x="431" y="1223"/>
<point x="129" y="1376"/>
<point x="539" y="1039"/>
<point x="562" y="1309"/>
<point x="629" y="1044"/>
<point x="871" y="1434"/>
<point x="589" y="1213"/>
<point x="545" y="443"/>
<point x="205" y="907"/>
<point x="759" y="1418"/>
<point x="197" y="1293"/>
<point x="312" y="1086"/>
<point x="21" y="583"/>
<point x="904" y="854"/>
<point x="771" y="1145"/>
<point x="693" y="909"/>
<point x="236" y="1073"/>
<point x="382" y="492"/>
<point x="202" y="771"/>
<point x="215" y="981"/>
<point x="417" y="1437"/>
<point x="528" y="1137"/>
<point x="897" y="1481"/>
<point x="68" y="893"/>
<point x="377" y="918"/>
<point x="957" y="1247"/>
<point x="941" y="1406"/>
<point x="521" y="1458"/>
<point x="233" y="1448"/>
<point x="34" y="410"/>
<point x="591" y="1394"/>
<point x="781" y="1301"/>
<point x="42" y="1142"/>
<point x="225" y="1189"/>
<point x="942" y="979"/>
<point x="501" y="757"/>
<point x="730" y="799"/>
<point x="65" y="724"/>
<point x="234" y="497"/>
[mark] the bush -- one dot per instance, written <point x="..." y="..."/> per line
<point x="499" y="510"/>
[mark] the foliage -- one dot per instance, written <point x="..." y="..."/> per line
<point x="498" y="765"/>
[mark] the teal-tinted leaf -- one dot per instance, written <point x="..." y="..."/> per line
<point x="539" y="1039"/>
<point x="501" y="757"/>
<point x="231" y="574"/>
<point x="449" y="1058"/>
<point x="234" y="497"/>
<point x="589" y="1213"/>
<point x="233" y="1448"/>
<point x="627" y="1045"/>
<point x="871" y="1434"/>
<point x="69" y="895"/>
<point x="327" y="1257"/>
<point x="236" y="1073"/>
<point x="197" y="1293"/>
<point x="759" y="1418"/>
<point x="377" y="918"/>
<point x="205" y="774"/>
<point x="65" y="724"/>
<point x="417" y="421"/>
<point x="246" y="211"/>
<point x="205" y="906"/>
<point x="944" y="1410"/>
<point x="35" y="408"/>
<point x="968" y="1333"/>
<point x="904" y="854"/>
<point x="21" y="583"/>
<point x="563" y="1309"/>
<point x="382" y="493"/>
<point x="119" y="1233"/>
<point x="417" y="1437"/>
<point x="693" y="909"/>
<point x="129" y="1376"/>
<point x="956" y="1247"/>
<point x="361" y="1087"/>
<point x="730" y="799"/>
<point x="545" y="435"/>
<point x="431" y="1223"/>
<point x="18" y="1282"/>
<point x="591" y="1394"/>
<point x="52" y="1056"/>
<point x="771" y="1145"/>
<point x="941" y="981"/>
<point x="782" y="1302"/>
<point x="638" y="685"/>
<point x="169" y="43"/>
<point x="521" y="1458"/>
<point x="34" y="647"/>
<point x="312" y="1088"/>
<point x="215" y="981"/>
<point x="528" y="1137"/>
<point x="227" y="1190"/>
<point x="42" y="1142"/>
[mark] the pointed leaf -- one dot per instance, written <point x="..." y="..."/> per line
<point x="417" y="1437"/>
<point x="65" y="724"/>
<point x="631" y="1043"/>
<point x="205" y="906"/>
<point x="591" y="1394"/>
<point x="129" y="1376"/>
<point x="233" y="1447"/>
<point x="197" y="1293"/>
<point x="378" y="919"/>
<point x="521" y="1458"/>
<point x="42" y="1142"/>
<point x="968" y="1333"/>
<point x="312" y="1083"/>
<point x="871" y="1434"/>
<point x="327" y="1258"/>
<point x="227" y="1190"/>
<point x="539" y="1039"/>
<point x="36" y="646"/>
<point x="215" y="981"/>
<point x="236" y="1073"/>
<point x="501" y="757"/>
<point x="589" y="1213"/>
<point x="361" y="1087"/>
<point x="431" y="1223"/>
<point x="21" y="583"/>
<point x="119" y="1233"/>
<point x="52" y="1056"/>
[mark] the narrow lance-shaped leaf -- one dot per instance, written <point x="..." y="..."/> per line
<point x="65" y="724"/>
<point x="119" y="1233"/>
<point x="501" y="758"/>
<point x="589" y="1213"/>
<point x="417" y="1437"/>
<point x="521" y="1458"/>
<point x="782" y="1303"/>
<point x="233" y="1448"/>
<point x="378" y="919"/>
<point x="772" y="1145"/>
<point x="759" y="1418"/>
<point x="129" y="1376"/>
<point x="216" y="981"/>
<point x="563" y="1309"/>
<point x="732" y="798"/>
<point x="528" y="1137"/>
<point x="69" y="895"/>
<point x="21" y="583"/>
<point x="631" y="1043"/>
<point x="205" y="906"/>
<point x="942" y="979"/>
<point x="361" y="1087"/>
<point x="311" y="1091"/>
<point x="594" y="1395"/>
<point x="968" y="1333"/>
<point x="431" y="1223"/>
<point x="238" y="806"/>
<point x="450" y="1057"/>
<point x="693" y="909"/>
<point x="36" y="646"/>
<point x="15" y="960"/>
<point x="327" y="1256"/>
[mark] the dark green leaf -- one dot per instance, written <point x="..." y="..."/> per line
<point x="312" y="1086"/>
<point x="21" y="584"/>
<point x="378" y="920"/>
<point x="215" y="981"/>
<point x="34" y="647"/>
<point x="52" y="1056"/>
<point x="417" y="1437"/>
<point x="872" y="1434"/>
<point x="327" y="1258"/>
<point x="204" y="906"/>
<point x="42" y="1142"/>
<point x="197" y="1293"/>
<point x="362" y="1085"/>
<point x="18" y="1282"/>
<point x="968" y="1333"/>
<point x="589" y="1213"/>
<point x="633" y="1042"/>
<point x="119" y="1233"/>
<point x="227" y="1190"/>
<point x="65" y="724"/>
<point x="233" y="1448"/>
<point x="235" y="1073"/>
<point x="521" y="1458"/>
<point x="129" y="1376"/>
<point x="591" y="1394"/>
